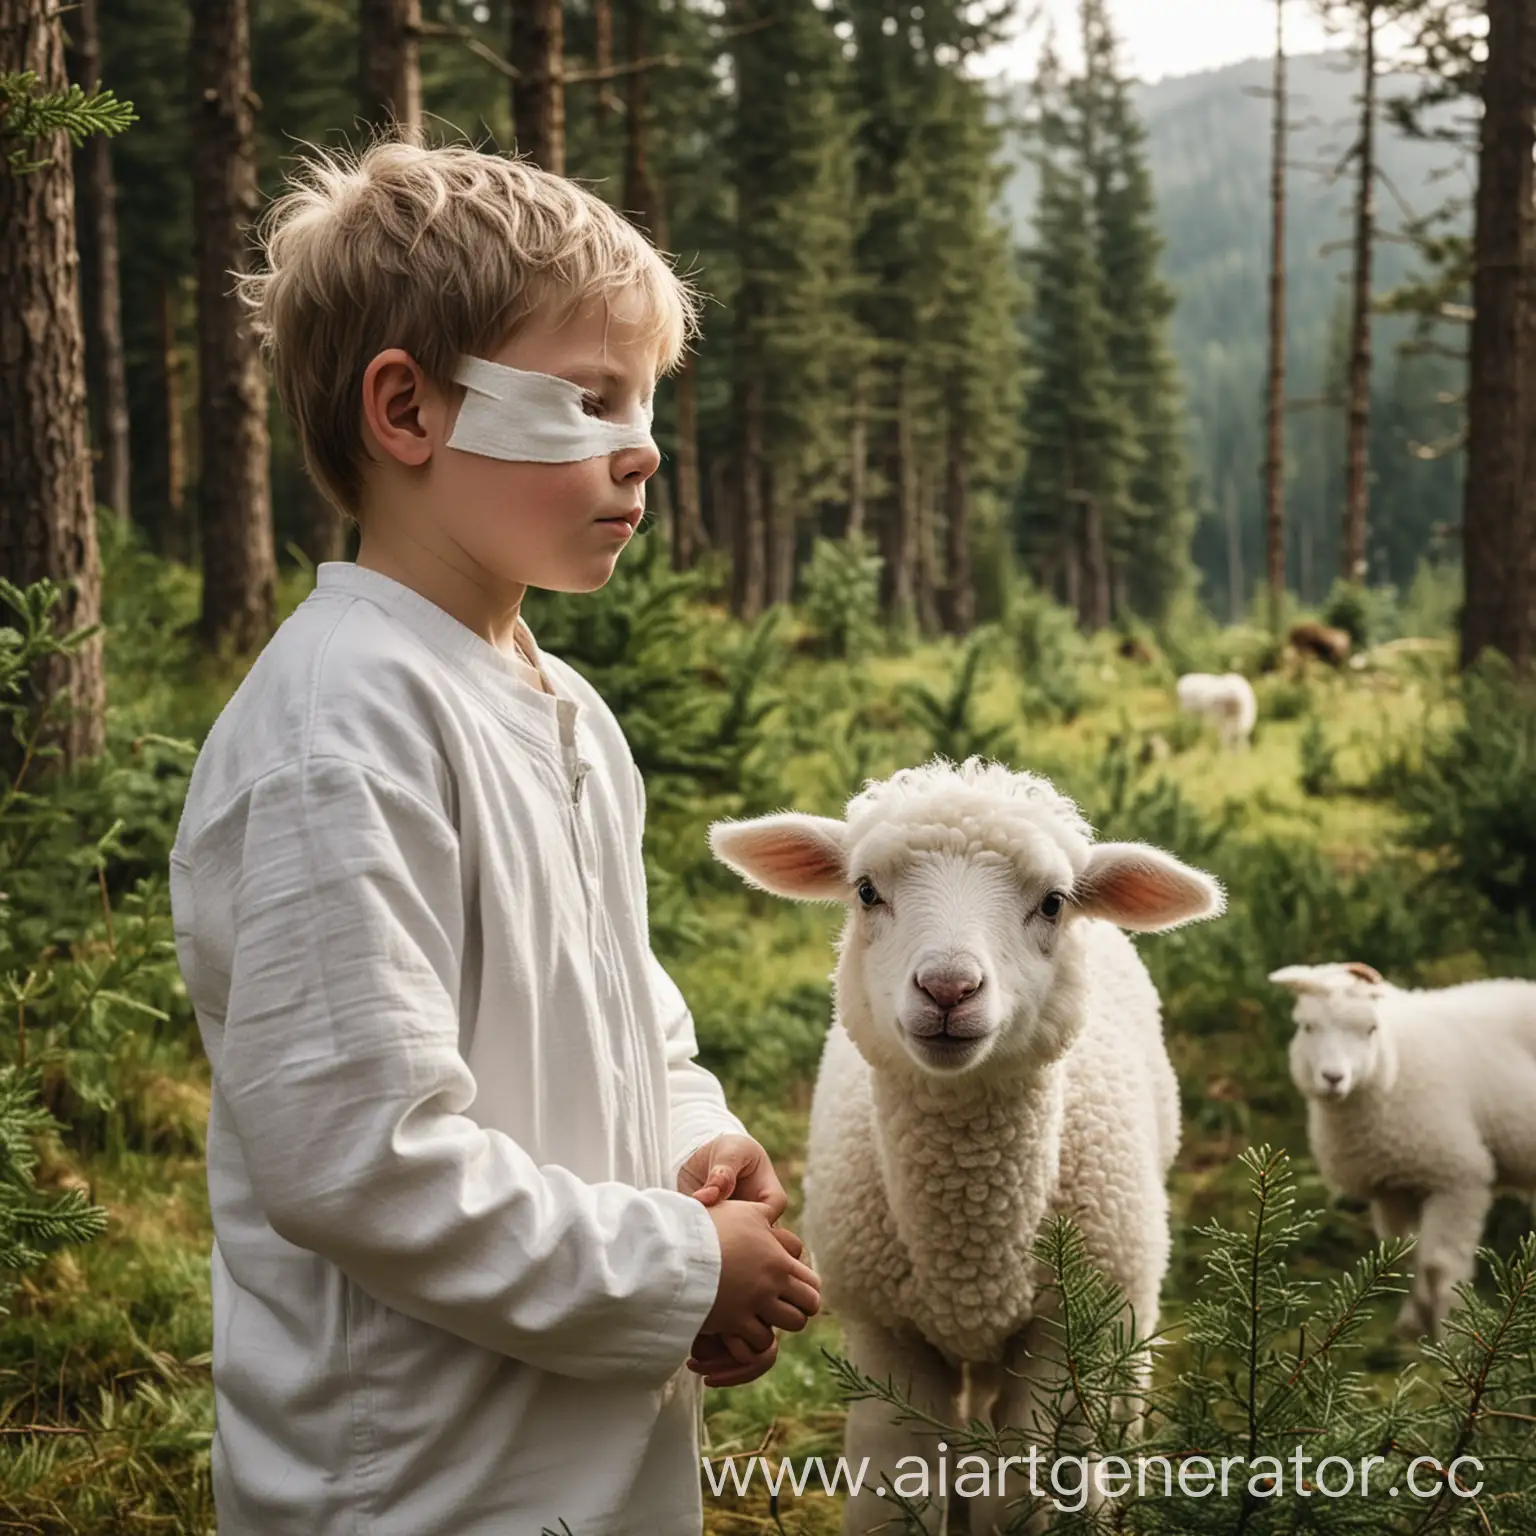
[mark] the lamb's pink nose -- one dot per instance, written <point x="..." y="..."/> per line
<point x="948" y="985"/>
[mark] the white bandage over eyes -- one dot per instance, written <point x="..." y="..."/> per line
<point x="535" y="417"/>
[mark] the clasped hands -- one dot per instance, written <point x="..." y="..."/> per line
<point x="763" y="1283"/>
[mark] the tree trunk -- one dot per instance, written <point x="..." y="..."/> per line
<point x="779" y="516"/>
<point x="748" y="552"/>
<point x="647" y="208"/>
<point x="100" y="301"/>
<point x="538" y="95"/>
<point x="234" y="494"/>
<point x="639" y="190"/>
<point x="927" y="549"/>
<point x="47" y="518"/>
<point x="959" y="596"/>
<point x="900" y="523"/>
<point x="1235" y="582"/>
<point x="602" y="53"/>
<point x="389" y="63"/>
<point x="1274" y="461"/>
<point x="1095" y="593"/>
<point x="858" y="457"/>
<point x="692" y="539"/>
<point x="1357" y="450"/>
<point x="1495" y="508"/>
<point x="171" y="528"/>
<point x="721" y="521"/>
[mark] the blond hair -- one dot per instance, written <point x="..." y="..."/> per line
<point x="441" y="251"/>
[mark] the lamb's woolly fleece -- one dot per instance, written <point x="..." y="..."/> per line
<point x="1228" y="700"/>
<point x="924" y="1194"/>
<point x="1450" y="1102"/>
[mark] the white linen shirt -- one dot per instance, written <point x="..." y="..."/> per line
<point x="453" y="1282"/>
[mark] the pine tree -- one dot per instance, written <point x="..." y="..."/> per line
<point x="1274" y="403"/>
<point x="389" y="63"/>
<point x="1075" y="501"/>
<point x="969" y="338"/>
<point x="921" y="133"/>
<point x="1357" y="460"/>
<point x="47" y="513"/>
<point x="101" y="302"/>
<point x="1154" y="557"/>
<point x="792" y="176"/>
<point x="235" y="510"/>
<point x="538" y="93"/>
<point x="1497" y="541"/>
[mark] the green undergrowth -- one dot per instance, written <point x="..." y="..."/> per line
<point x="1406" y="853"/>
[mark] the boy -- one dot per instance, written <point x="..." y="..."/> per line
<point x="474" y="1202"/>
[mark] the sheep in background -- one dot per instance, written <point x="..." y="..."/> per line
<point x="996" y="1056"/>
<point x="1423" y="1103"/>
<point x="1226" y="701"/>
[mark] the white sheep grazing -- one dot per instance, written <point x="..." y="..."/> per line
<point x="1423" y="1103"/>
<point x="996" y="1056"/>
<point x="1227" y="701"/>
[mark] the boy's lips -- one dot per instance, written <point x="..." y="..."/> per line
<point x="630" y="519"/>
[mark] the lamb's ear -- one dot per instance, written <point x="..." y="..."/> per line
<point x="1135" y="886"/>
<point x="1364" y="972"/>
<point x="788" y="853"/>
<point x="1300" y="979"/>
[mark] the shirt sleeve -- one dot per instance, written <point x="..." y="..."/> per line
<point x="697" y="1102"/>
<point x="341" y="1069"/>
<point x="697" y="1108"/>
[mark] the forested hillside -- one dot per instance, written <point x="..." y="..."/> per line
<point x="1208" y="139"/>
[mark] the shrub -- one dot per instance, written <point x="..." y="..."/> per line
<point x="1368" y="615"/>
<point x="1051" y="653"/>
<point x="1260" y="1379"/>
<point x="1319" y="761"/>
<point x="1432" y="608"/>
<point x="841" y="595"/>
<point x="1471" y="798"/>
<point x="947" y="721"/>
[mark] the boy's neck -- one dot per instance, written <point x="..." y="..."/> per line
<point x="481" y="603"/>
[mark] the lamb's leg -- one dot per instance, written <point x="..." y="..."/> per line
<point x="1395" y="1213"/>
<point x="1449" y="1231"/>
<point x="1031" y="1376"/>
<point x="931" y="1385"/>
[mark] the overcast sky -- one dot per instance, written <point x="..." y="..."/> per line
<point x="1176" y="37"/>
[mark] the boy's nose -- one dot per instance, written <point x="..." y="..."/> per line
<point x="634" y="466"/>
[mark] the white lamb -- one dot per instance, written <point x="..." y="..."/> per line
<point x="1226" y="701"/>
<point x="1423" y="1103"/>
<point x="996" y="1056"/>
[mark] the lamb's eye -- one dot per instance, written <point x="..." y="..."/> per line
<point x="868" y="894"/>
<point x="1050" y="908"/>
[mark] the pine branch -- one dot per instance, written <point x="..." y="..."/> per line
<point x="29" y="115"/>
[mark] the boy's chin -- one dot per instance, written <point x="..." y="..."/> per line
<point x="591" y="577"/>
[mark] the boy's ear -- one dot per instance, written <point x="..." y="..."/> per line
<point x="788" y="854"/>
<point x="1138" y="887"/>
<point x="394" y="392"/>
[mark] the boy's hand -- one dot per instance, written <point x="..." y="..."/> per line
<point x="733" y="1167"/>
<point x="713" y="1360"/>
<point x="731" y="1362"/>
<point x="763" y="1286"/>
